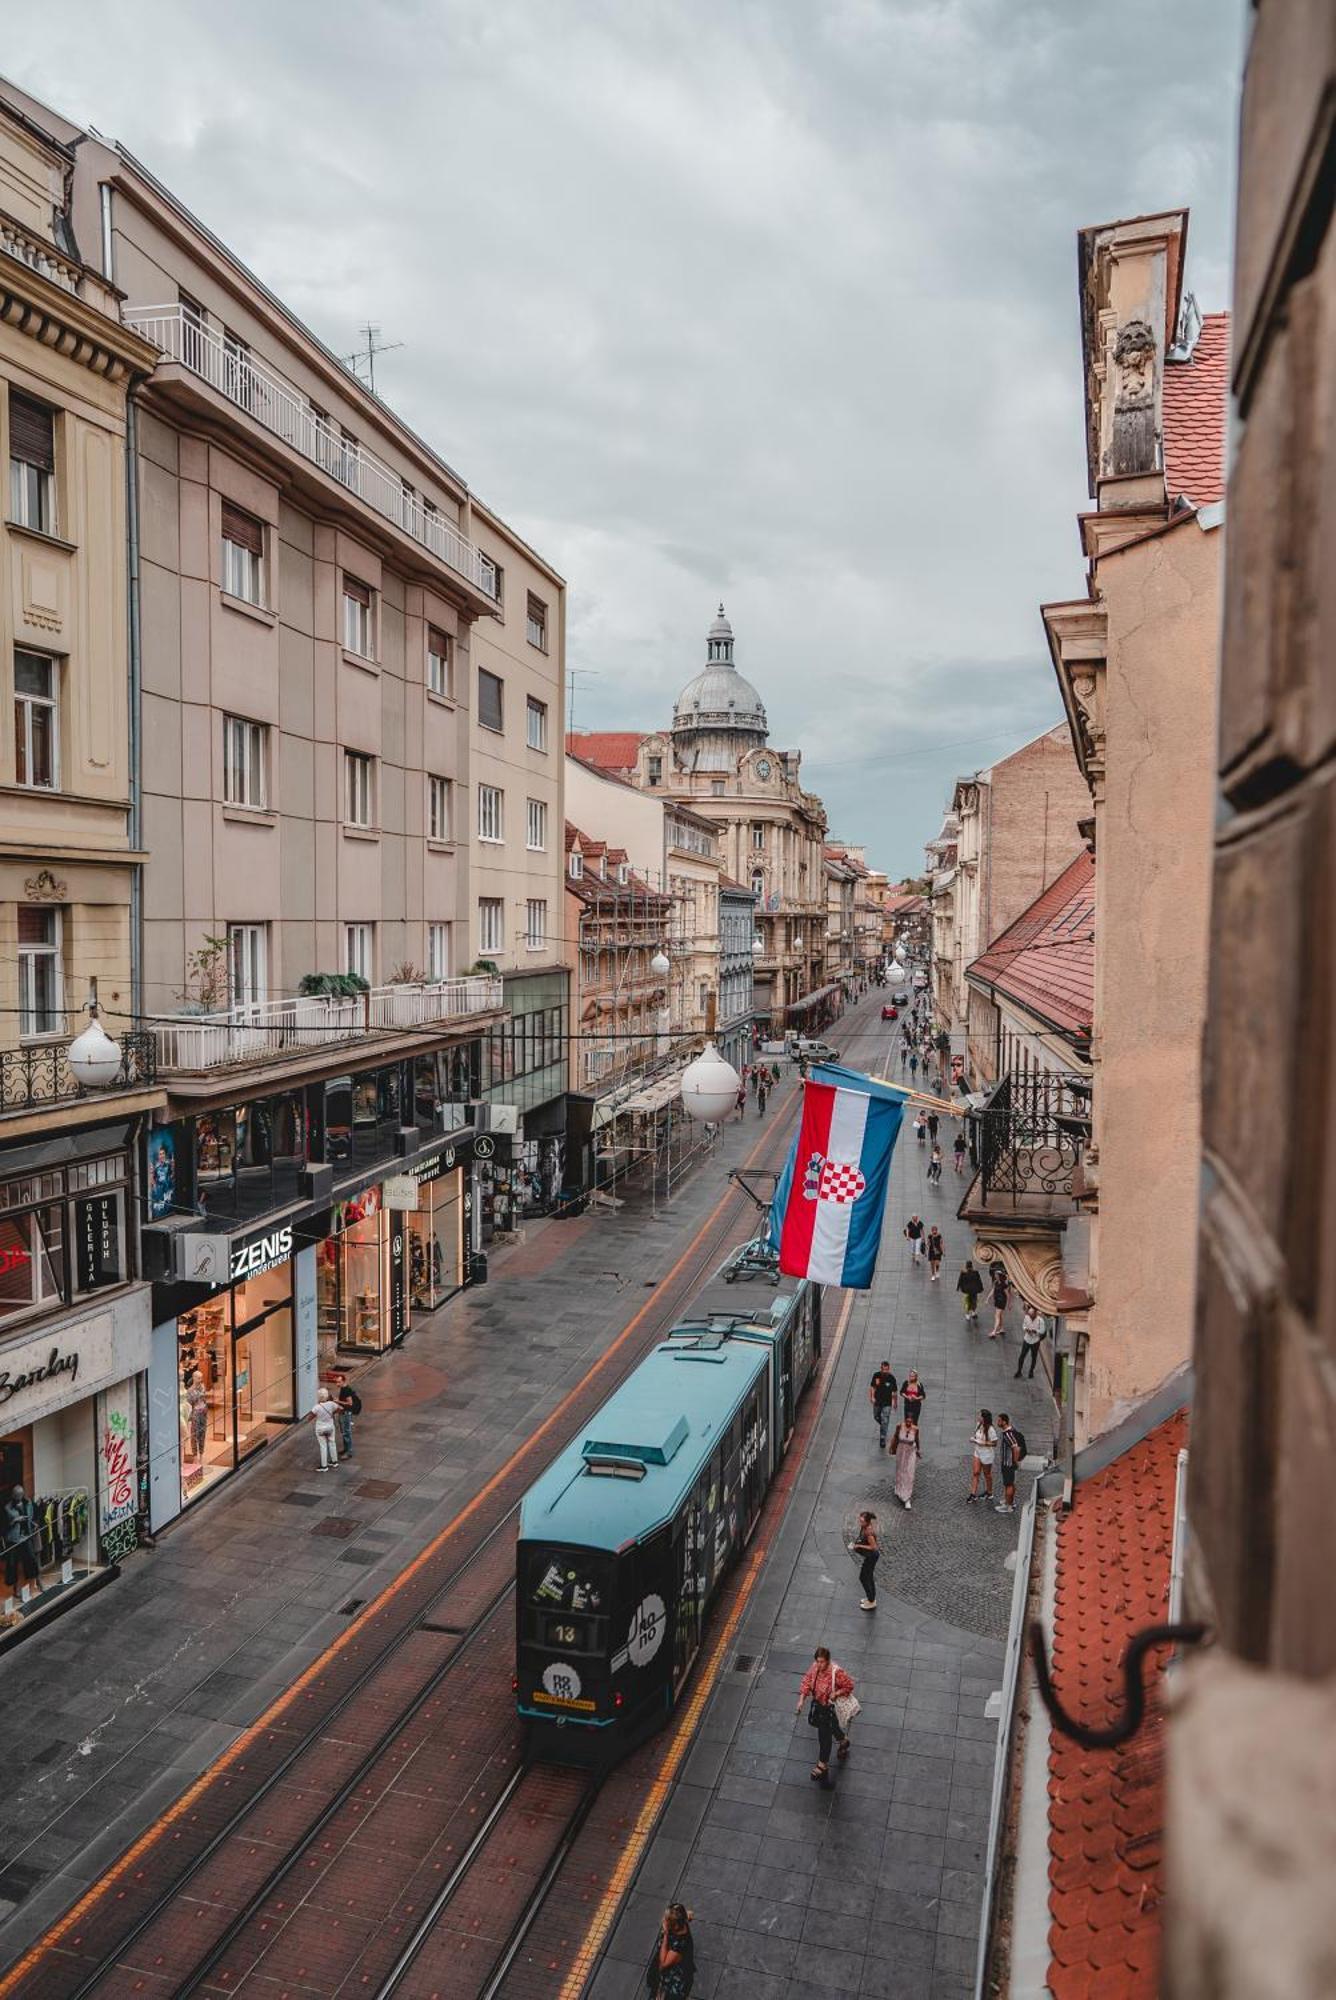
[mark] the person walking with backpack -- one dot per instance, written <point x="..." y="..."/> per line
<point x="1032" y="1334"/>
<point x="970" y="1286"/>
<point x="1011" y="1449"/>
<point x="826" y="1688"/>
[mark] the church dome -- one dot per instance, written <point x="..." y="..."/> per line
<point x="719" y="699"/>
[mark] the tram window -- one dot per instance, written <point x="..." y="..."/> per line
<point x="566" y="1582"/>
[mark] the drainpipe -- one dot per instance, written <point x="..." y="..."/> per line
<point x="135" y="692"/>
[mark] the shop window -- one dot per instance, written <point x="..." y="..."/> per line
<point x="32" y="1261"/>
<point x="32" y="464"/>
<point x="237" y="1383"/>
<point x="62" y="1236"/>
<point x="41" y="973"/>
<point x="36" y="722"/>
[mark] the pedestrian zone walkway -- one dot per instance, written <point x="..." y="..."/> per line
<point x="872" y="1885"/>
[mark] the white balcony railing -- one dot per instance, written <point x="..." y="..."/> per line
<point x="247" y="1034"/>
<point x="235" y="373"/>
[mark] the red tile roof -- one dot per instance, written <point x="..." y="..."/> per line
<point x="1045" y="961"/>
<point x="1196" y="401"/>
<point x="1106" y="1807"/>
<point x="607" y="749"/>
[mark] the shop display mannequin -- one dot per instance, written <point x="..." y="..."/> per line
<point x="197" y="1396"/>
<point x="20" y="1539"/>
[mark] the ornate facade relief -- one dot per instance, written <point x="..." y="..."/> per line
<point x="1032" y="1259"/>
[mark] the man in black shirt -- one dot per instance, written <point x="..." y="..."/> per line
<point x="349" y="1406"/>
<point x="881" y="1394"/>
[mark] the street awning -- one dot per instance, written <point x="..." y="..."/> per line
<point x="811" y="999"/>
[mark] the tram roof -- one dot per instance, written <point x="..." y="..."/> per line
<point x="652" y="1437"/>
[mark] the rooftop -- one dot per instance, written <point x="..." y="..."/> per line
<point x="1106" y="1807"/>
<point x="1196" y="409"/>
<point x="1045" y="961"/>
<point x="605" y="749"/>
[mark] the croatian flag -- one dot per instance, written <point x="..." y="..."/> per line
<point x="825" y="1220"/>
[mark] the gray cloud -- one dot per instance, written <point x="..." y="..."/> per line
<point x="768" y="299"/>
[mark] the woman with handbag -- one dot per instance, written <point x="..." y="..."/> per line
<point x="672" y="1963"/>
<point x="831" y="1707"/>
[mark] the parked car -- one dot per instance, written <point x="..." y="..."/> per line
<point x="815" y="1052"/>
<point x="890" y="1013"/>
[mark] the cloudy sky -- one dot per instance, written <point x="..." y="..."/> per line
<point x="768" y="300"/>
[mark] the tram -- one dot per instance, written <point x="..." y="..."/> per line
<point x="626" y="1539"/>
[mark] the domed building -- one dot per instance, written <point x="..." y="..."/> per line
<point x="716" y="758"/>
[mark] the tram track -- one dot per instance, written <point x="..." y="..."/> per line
<point x="137" y="1928"/>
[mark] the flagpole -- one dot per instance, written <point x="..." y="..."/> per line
<point x="921" y="1097"/>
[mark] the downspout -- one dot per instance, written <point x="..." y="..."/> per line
<point x="136" y="696"/>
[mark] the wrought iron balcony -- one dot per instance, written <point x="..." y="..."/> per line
<point x="261" y="392"/>
<point x="1031" y="1135"/>
<point x="38" y="1074"/>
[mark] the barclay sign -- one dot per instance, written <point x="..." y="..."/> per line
<point x="13" y="1381"/>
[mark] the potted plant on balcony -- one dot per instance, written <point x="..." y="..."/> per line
<point x="208" y="978"/>
<point x="332" y="985"/>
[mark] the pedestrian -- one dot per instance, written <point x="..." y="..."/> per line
<point x="913" y="1395"/>
<point x="323" y="1415"/>
<point x="881" y="1394"/>
<point x="1001" y="1294"/>
<point x="1032" y="1333"/>
<point x="825" y="1684"/>
<point x="936" y="1251"/>
<point x="906" y="1447"/>
<point x="913" y="1065"/>
<point x="1010" y="1451"/>
<point x="904" y="1055"/>
<point x="959" y="1150"/>
<point x="349" y="1406"/>
<point x="914" y="1237"/>
<point x="754" y="1077"/>
<point x="762" y="1092"/>
<point x="935" y="1168"/>
<point x="920" y="1129"/>
<point x="932" y="1127"/>
<point x="742" y="1100"/>
<point x="984" y="1446"/>
<point x="867" y="1548"/>
<point x="20" y="1539"/>
<point x="970" y="1286"/>
<point x="671" y="1971"/>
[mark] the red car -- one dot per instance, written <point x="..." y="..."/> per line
<point x="890" y="1012"/>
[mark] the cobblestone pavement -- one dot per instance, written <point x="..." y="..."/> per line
<point x="874" y="1885"/>
<point x="107" y="1716"/>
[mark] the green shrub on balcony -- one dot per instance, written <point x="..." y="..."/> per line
<point x="332" y="985"/>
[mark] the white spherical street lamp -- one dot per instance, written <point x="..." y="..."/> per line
<point x="659" y="965"/>
<point x="710" y="1085"/>
<point x="94" y="1059"/>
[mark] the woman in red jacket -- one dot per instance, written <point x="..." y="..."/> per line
<point x="823" y="1685"/>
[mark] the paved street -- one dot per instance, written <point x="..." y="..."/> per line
<point x="109" y="1714"/>
<point x="873" y="1886"/>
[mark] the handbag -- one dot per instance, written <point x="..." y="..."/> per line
<point x="846" y="1706"/>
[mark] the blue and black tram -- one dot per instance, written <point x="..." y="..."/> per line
<point x="625" y="1540"/>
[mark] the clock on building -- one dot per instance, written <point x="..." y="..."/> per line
<point x="763" y="767"/>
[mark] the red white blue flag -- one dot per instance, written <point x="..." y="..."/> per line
<point x="825" y="1220"/>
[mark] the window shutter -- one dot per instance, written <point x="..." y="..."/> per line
<point x="437" y="642"/>
<point x="242" y="529"/>
<point x="32" y="433"/>
<point x="359" y="592"/>
<point x="35" y="924"/>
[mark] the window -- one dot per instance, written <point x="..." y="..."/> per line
<point x="357" y="788"/>
<point x="490" y="804"/>
<point x="758" y="837"/>
<point x="491" y="923"/>
<point x="758" y="882"/>
<point x="248" y="963"/>
<point x="245" y="763"/>
<point x="32" y="464"/>
<point x="535" y="924"/>
<point x="716" y="788"/>
<point x="438" y="951"/>
<point x="623" y="872"/>
<point x="535" y="624"/>
<point x="498" y="577"/>
<point x="357" y="950"/>
<point x="243" y="555"/>
<point x="490" y="711"/>
<point x="36" y="736"/>
<point x="654" y="766"/>
<point x="194" y="321"/>
<point x="576" y="866"/>
<point x="238" y="375"/>
<point x="536" y="724"/>
<point x="357" y="618"/>
<point x="438" y="808"/>
<point x="41" y="975"/>
<point x="440" y="666"/>
<point x="536" y="833"/>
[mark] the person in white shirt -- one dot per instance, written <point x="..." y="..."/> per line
<point x="984" y="1444"/>
<point x="1032" y="1333"/>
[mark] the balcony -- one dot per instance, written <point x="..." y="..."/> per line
<point x="280" y="409"/>
<point x="285" y="1030"/>
<point x="38" y="1075"/>
<point x="1031" y="1136"/>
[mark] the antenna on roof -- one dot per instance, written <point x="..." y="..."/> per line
<point x="572" y="675"/>
<point x="366" y="358"/>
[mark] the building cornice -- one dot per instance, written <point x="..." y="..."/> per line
<point x="59" y="319"/>
<point x="1077" y="635"/>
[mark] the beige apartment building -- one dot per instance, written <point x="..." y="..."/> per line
<point x="840" y="882"/>
<point x="75" y="1318"/>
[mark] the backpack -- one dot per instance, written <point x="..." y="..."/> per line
<point x="1018" y="1445"/>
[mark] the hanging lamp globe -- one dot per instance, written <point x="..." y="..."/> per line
<point x="659" y="965"/>
<point x="709" y="1085"/>
<point x="896" y="974"/>
<point x="94" y="1058"/>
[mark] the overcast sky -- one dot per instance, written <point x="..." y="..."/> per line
<point x="767" y="300"/>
